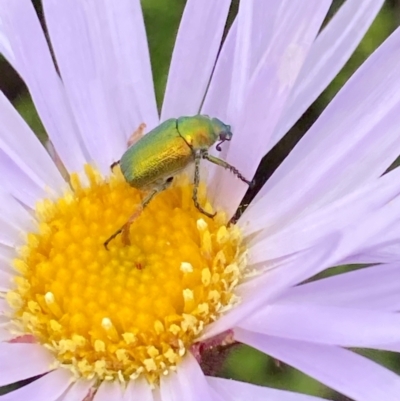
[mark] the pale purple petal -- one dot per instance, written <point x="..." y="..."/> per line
<point x="78" y="391"/>
<point x="383" y="253"/>
<point x="7" y="255"/>
<point x="380" y="245"/>
<point x="374" y="288"/>
<point x="20" y="361"/>
<point x="232" y="390"/>
<point x="6" y="264"/>
<point x="193" y="58"/>
<point x="24" y="46"/>
<point x="14" y="220"/>
<point x="169" y="387"/>
<point x="96" y="71"/>
<point x="138" y="389"/>
<point x="6" y="280"/>
<point x="192" y="382"/>
<point x="295" y="28"/>
<point x="132" y="82"/>
<point x="322" y="324"/>
<point x="188" y="383"/>
<point x="247" y="41"/>
<point x="262" y="289"/>
<point x="4" y="307"/>
<point x="14" y="214"/>
<point x="360" y="238"/>
<point x="218" y="94"/>
<point x="369" y="206"/>
<point x="10" y="236"/>
<point x="4" y="320"/>
<point x="331" y="50"/>
<point x="29" y="190"/>
<point x="5" y="333"/>
<point x="47" y="388"/>
<point x="354" y="140"/>
<point x="20" y="145"/>
<point x="344" y="371"/>
<point x="395" y="347"/>
<point x="109" y="391"/>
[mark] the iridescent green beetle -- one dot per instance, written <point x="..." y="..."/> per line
<point x="151" y="162"/>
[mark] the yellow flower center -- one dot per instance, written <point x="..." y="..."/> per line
<point x="137" y="307"/>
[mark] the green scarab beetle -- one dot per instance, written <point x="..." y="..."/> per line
<point x="151" y="162"/>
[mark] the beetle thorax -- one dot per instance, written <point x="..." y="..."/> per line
<point x="197" y="132"/>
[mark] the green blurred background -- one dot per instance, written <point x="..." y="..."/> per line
<point x="162" y="18"/>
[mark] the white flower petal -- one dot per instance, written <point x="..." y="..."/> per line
<point x="10" y="236"/>
<point x="354" y="209"/>
<point x="394" y="347"/>
<point x="360" y="238"/>
<point x="132" y="82"/>
<point x="331" y="50"/>
<point x="188" y="383"/>
<point x="27" y="192"/>
<point x="295" y="28"/>
<point x="6" y="280"/>
<point x="322" y="324"/>
<point x="7" y="255"/>
<point x="78" y="391"/>
<point x="192" y="382"/>
<point x="346" y="372"/>
<point x="193" y="58"/>
<point x="47" y="388"/>
<point x="383" y="253"/>
<point x="376" y="287"/>
<point x="5" y="333"/>
<point x="109" y="391"/>
<point x="22" y="361"/>
<point x="23" y="44"/>
<point x="219" y="93"/>
<point x="138" y="389"/>
<point x="169" y="387"/>
<point x="232" y="390"/>
<point x="103" y="90"/>
<point x="14" y="214"/>
<point x="354" y="140"/>
<point x="247" y="41"/>
<point x="262" y="289"/>
<point x="20" y="147"/>
<point x="4" y="320"/>
<point x="14" y="220"/>
<point x="378" y="245"/>
<point x="6" y="267"/>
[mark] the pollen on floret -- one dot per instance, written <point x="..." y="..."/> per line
<point x="135" y="309"/>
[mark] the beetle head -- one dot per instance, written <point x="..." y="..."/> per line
<point x="222" y="131"/>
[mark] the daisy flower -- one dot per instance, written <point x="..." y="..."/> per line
<point x="136" y="321"/>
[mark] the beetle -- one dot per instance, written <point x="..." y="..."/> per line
<point x="151" y="162"/>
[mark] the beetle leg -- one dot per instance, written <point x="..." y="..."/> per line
<point x="224" y="164"/>
<point x="114" y="164"/>
<point x="197" y="159"/>
<point x="138" y="134"/>
<point x="125" y="228"/>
